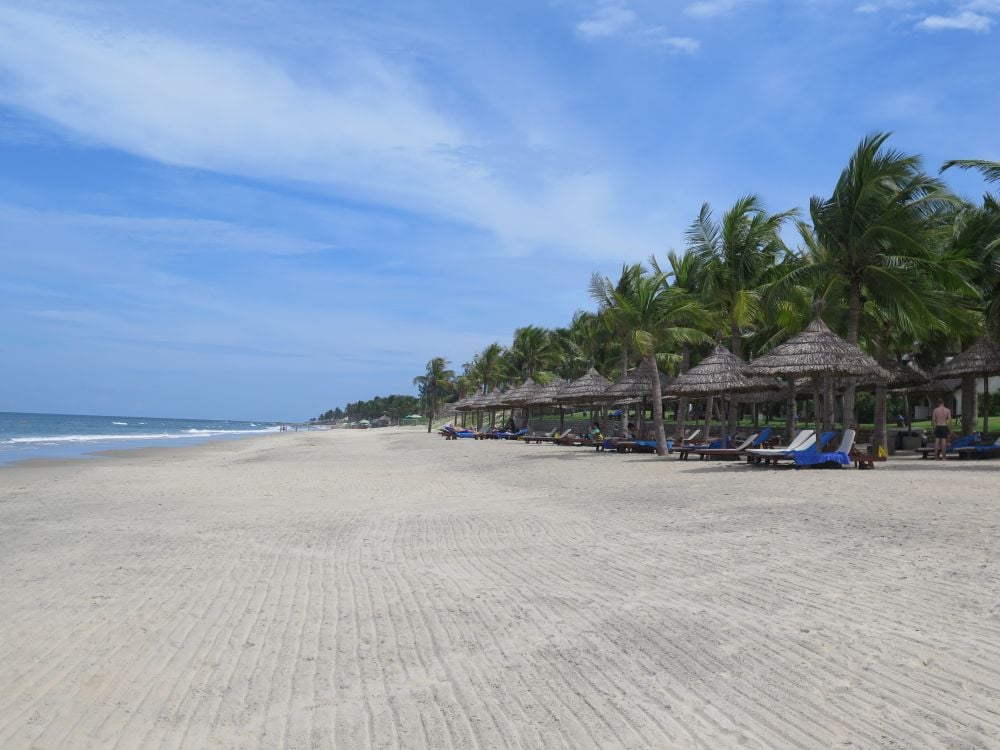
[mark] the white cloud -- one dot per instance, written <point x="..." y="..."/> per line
<point x="712" y="8"/>
<point x="866" y="8"/>
<point x="680" y="45"/>
<point x="965" y="21"/>
<point x="608" y="19"/>
<point x="360" y="124"/>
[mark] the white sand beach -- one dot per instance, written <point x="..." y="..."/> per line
<point x="390" y="589"/>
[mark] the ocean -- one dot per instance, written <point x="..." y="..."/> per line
<point x="24" y="436"/>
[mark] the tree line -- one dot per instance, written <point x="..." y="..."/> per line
<point x="395" y="407"/>
<point x="901" y="264"/>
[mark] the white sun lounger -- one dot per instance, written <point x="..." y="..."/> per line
<point x="798" y="443"/>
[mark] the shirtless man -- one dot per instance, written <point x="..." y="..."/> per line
<point x="941" y="419"/>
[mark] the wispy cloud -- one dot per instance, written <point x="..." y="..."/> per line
<point x="607" y="19"/>
<point x="713" y="8"/>
<point x="965" y="21"/>
<point x="616" y="19"/>
<point x="359" y="124"/>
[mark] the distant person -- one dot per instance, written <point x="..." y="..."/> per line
<point x="941" y="420"/>
<point x="630" y="432"/>
<point x="511" y="425"/>
<point x="595" y="433"/>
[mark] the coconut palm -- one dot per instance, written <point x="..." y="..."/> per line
<point x="604" y="292"/>
<point x="435" y="381"/>
<point x="736" y="257"/>
<point x="654" y="314"/>
<point x="879" y="225"/>
<point x="533" y="350"/>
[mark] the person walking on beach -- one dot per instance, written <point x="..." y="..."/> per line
<point x="941" y="420"/>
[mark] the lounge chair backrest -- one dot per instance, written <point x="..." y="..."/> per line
<point x="799" y="439"/>
<point x="762" y="437"/>
<point x="808" y="444"/>
<point x="692" y="436"/>
<point x="846" y="442"/>
<point x="824" y="439"/>
<point x="746" y="443"/>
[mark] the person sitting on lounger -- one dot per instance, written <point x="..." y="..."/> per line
<point x="595" y="433"/>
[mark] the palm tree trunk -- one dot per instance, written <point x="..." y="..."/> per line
<point x="880" y="438"/>
<point x="709" y="405"/>
<point x="661" y="438"/>
<point x="829" y="401"/>
<point x="853" y="324"/>
<point x="682" y="403"/>
<point x="968" y="405"/>
<point x="732" y="417"/>
<point x="986" y="405"/>
<point x="790" y="412"/>
<point x="816" y="406"/>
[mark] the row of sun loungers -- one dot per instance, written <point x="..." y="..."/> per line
<point x="806" y="449"/>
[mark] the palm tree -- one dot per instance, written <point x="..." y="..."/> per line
<point x="736" y="257"/>
<point x="876" y="227"/>
<point x="604" y="291"/>
<point x="651" y="311"/>
<point x="433" y="383"/>
<point x="533" y="350"/>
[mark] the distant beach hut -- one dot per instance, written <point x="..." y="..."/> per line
<point x="982" y="359"/>
<point x="720" y="374"/>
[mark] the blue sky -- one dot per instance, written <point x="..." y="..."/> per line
<point x="263" y="210"/>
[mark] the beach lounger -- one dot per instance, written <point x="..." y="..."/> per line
<point x="756" y="455"/>
<point x="837" y="458"/>
<point x="813" y="444"/>
<point x="553" y="438"/>
<point x="710" y="453"/>
<point x="965" y="441"/>
<point x="980" y="451"/>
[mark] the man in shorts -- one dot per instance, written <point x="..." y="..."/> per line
<point x="941" y="420"/>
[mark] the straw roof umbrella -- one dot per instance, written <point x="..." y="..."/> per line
<point x="634" y="386"/>
<point x="588" y="389"/>
<point x="523" y="396"/>
<point x="982" y="359"/>
<point x="820" y="353"/>
<point x="720" y="373"/>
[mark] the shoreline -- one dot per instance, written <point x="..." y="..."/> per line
<point x="385" y="587"/>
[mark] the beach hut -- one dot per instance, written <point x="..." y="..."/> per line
<point x="982" y="359"/>
<point x="819" y="353"/>
<point x="720" y="374"/>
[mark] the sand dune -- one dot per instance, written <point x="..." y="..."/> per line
<point x="390" y="589"/>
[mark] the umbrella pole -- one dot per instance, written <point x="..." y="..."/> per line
<point x="709" y="404"/>
<point x="816" y="407"/>
<point x="986" y="404"/>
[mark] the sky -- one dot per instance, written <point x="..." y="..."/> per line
<point x="264" y="209"/>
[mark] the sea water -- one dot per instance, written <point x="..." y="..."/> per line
<point x="24" y="436"/>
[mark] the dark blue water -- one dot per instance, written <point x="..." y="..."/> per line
<point x="24" y="435"/>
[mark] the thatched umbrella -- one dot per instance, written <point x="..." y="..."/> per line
<point x="817" y="352"/>
<point x="588" y="389"/>
<point x="523" y="396"/>
<point x="982" y="359"/>
<point x="634" y="386"/>
<point x="719" y="374"/>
